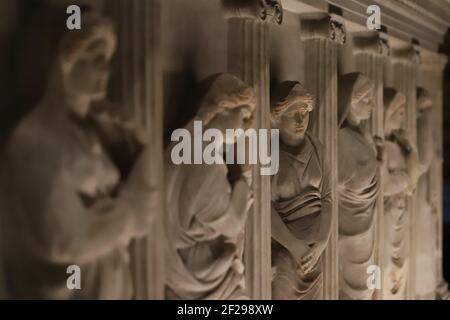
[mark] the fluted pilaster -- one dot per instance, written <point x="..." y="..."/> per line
<point x="249" y="59"/>
<point x="322" y="36"/>
<point x="138" y="86"/>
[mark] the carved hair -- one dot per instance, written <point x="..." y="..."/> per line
<point x="287" y="94"/>
<point x="221" y="92"/>
<point x="352" y="88"/>
<point x="424" y="99"/>
<point x="392" y="101"/>
<point x="75" y="42"/>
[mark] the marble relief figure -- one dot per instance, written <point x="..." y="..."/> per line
<point x="206" y="210"/>
<point x="426" y="217"/>
<point x="400" y="177"/>
<point x="301" y="199"/>
<point x="360" y="156"/>
<point x="65" y="199"/>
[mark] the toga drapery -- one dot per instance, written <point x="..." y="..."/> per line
<point x="201" y="262"/>
<point x="300" y="194"/>
<point x="358" y="190"/>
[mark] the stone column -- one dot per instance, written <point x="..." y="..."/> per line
<point x="432" y="68"/>
<point x="402" y="74"/>
<point x="137" y="84"/>
<point x="370" y="52"/>
<point x="321" y="36"/>
<point x="249" y="59"/>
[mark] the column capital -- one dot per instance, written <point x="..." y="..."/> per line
<point x="372" y="42"/>
<point x="434" y="61"/>
<point x="259" y="10"/>
<point x="410" y="54"/>
<point x="323" y="26"/>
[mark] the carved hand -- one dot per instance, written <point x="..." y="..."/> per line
<point x="413" y="164"/>
<point x="381" y="150"/>
<point x="116" y="114"/>
<point x="403" y="140"/>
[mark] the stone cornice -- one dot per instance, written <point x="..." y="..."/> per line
<point x="373" y="42"/>
<point x="327" y="26"/>
<point x="405" y="20"/>
<point x="428" y="11"/>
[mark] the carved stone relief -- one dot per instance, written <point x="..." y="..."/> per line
<point x="301" y="199"/>
<point x="86" y="182"/>
<point x="400" y="180"/>
<point x="67" y="196"/>
<point x="206" y="212"/>
<point x="360" y="156"/>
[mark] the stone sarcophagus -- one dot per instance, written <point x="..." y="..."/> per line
<point x="222" y="149"/>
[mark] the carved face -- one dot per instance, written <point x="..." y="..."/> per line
<point x="362" y="105"/>
<point x="236" y="118"/>
<point x="294" y="121"/>
<point x="394" y="113"/>
<point x="89" y="73"/>
<point x="397" y="118"/>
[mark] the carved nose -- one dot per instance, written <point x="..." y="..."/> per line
<point x="298" y="117"/>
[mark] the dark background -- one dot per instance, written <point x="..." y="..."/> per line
<point x="446" y="50"/>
